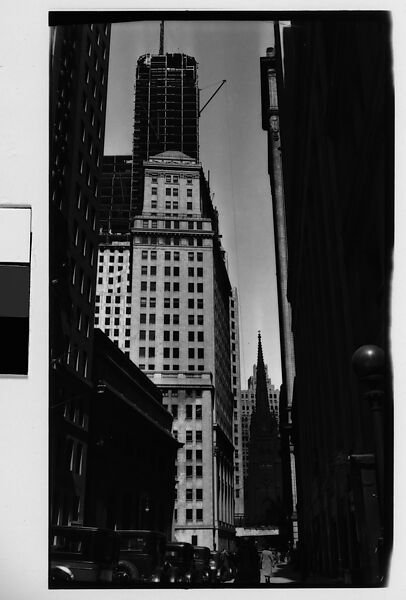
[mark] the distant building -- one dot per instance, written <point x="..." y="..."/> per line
<point x="78" y="89"/>
<point x="263" y="492"/>
<point x="334" y="138"/>
<point x="248" y="406"/>
<point x="237" y="422"/>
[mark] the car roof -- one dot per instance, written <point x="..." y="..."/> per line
<point x="179" y="544"/>
<point x="79" y="528"/>
<point x="139" y="531"/>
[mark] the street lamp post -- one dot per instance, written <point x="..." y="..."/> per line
<point x="369" y="365"/>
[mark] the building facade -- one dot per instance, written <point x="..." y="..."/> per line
<point x="78" y="88"/>
<point x="336" y="133"/>
<point x="237" y="420"/>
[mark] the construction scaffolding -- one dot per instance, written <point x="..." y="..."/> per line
<point x="166" y="112"/>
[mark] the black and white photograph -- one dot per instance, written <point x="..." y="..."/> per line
<point x="217" y="410"/>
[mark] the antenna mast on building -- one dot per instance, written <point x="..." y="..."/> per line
<point x="161" y="38"/>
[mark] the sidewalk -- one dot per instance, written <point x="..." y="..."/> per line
<point x="284" y="574"/>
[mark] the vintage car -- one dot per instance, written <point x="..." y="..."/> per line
<point x="141" y="556"/>
<point x="82" y="555"/>
<point x="222" y="566"/>
<point x="201" y="556"/>
<point x="179" y="566"/>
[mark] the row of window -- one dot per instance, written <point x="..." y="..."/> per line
<point x="152" y="288"/>
<point x="82" y="282"/>
<point x="171" y="179"/>
<point x="94" y="121"/>
<point x="116" y="299"/>
<point x="84" y="169"/>
<point x="175" y="394"/>
<point x="112" y="258"/>
<point x="175" y="367"/>
<point x="146" y="224"/>
<point x="194" y="471"/>
<point x="94" y="89"/>
<point x="81" y="241"/>
<point x="174" y="409"/>
<point x="192" y="335"/>
<point x="150" y="352"/>
<point x="74" y="456"/>
<point x="172" y="192"/>
<point x="110" y="281"/>
<point x="189" y="514"/>
<point x="196" y="455"/>
<point x="90" y="47"/>
<point x="75" y="414"/>
<point x="116" y="333"/>
<point x="197" y="495"/>
<point x="167" y="320"/>
<point x="149" y="240"/>
<point x="152" y="254"/>
<point x="88" y="211"/>
<point x="107" y="309"/>
<point x="190" y="436"/>
<point x="171" y="205"/>
<point x="191" y="353"/>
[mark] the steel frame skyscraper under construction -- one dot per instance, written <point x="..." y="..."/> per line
<point x="166" y="113"/>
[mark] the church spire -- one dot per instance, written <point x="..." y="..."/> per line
<point x="261" y="396"/>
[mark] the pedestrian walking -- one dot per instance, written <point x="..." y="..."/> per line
<point x="248" y="564"/>
<point x="267" y="564"/>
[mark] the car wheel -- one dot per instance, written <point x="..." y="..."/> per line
<point x="126" y="571"/>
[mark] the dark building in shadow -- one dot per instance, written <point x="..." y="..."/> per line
<point x="111" y="453"/>
<point x="333" y="124"/>
<point x="131" y="451"/>
<point x="115" y="206"/>
<point x="79" y="57"/>
<point x="263" y="492"/>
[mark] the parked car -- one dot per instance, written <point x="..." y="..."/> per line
<point x="141" y="556"/>
<point x="222" y="566"/>
<point x="201" y="556"/>
<point x="214" y="567"/>
<point x="82" y="555"/>
<point x="179" y="564"/>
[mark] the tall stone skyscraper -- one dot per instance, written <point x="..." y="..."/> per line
<point x="164" y="292"/>
<point x="263" y="494"/>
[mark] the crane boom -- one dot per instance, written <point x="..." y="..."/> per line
<point x="161" y="38"/>
<point x="212" y="96"/>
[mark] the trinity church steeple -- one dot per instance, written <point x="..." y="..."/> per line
<point x="264" y="483"/>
